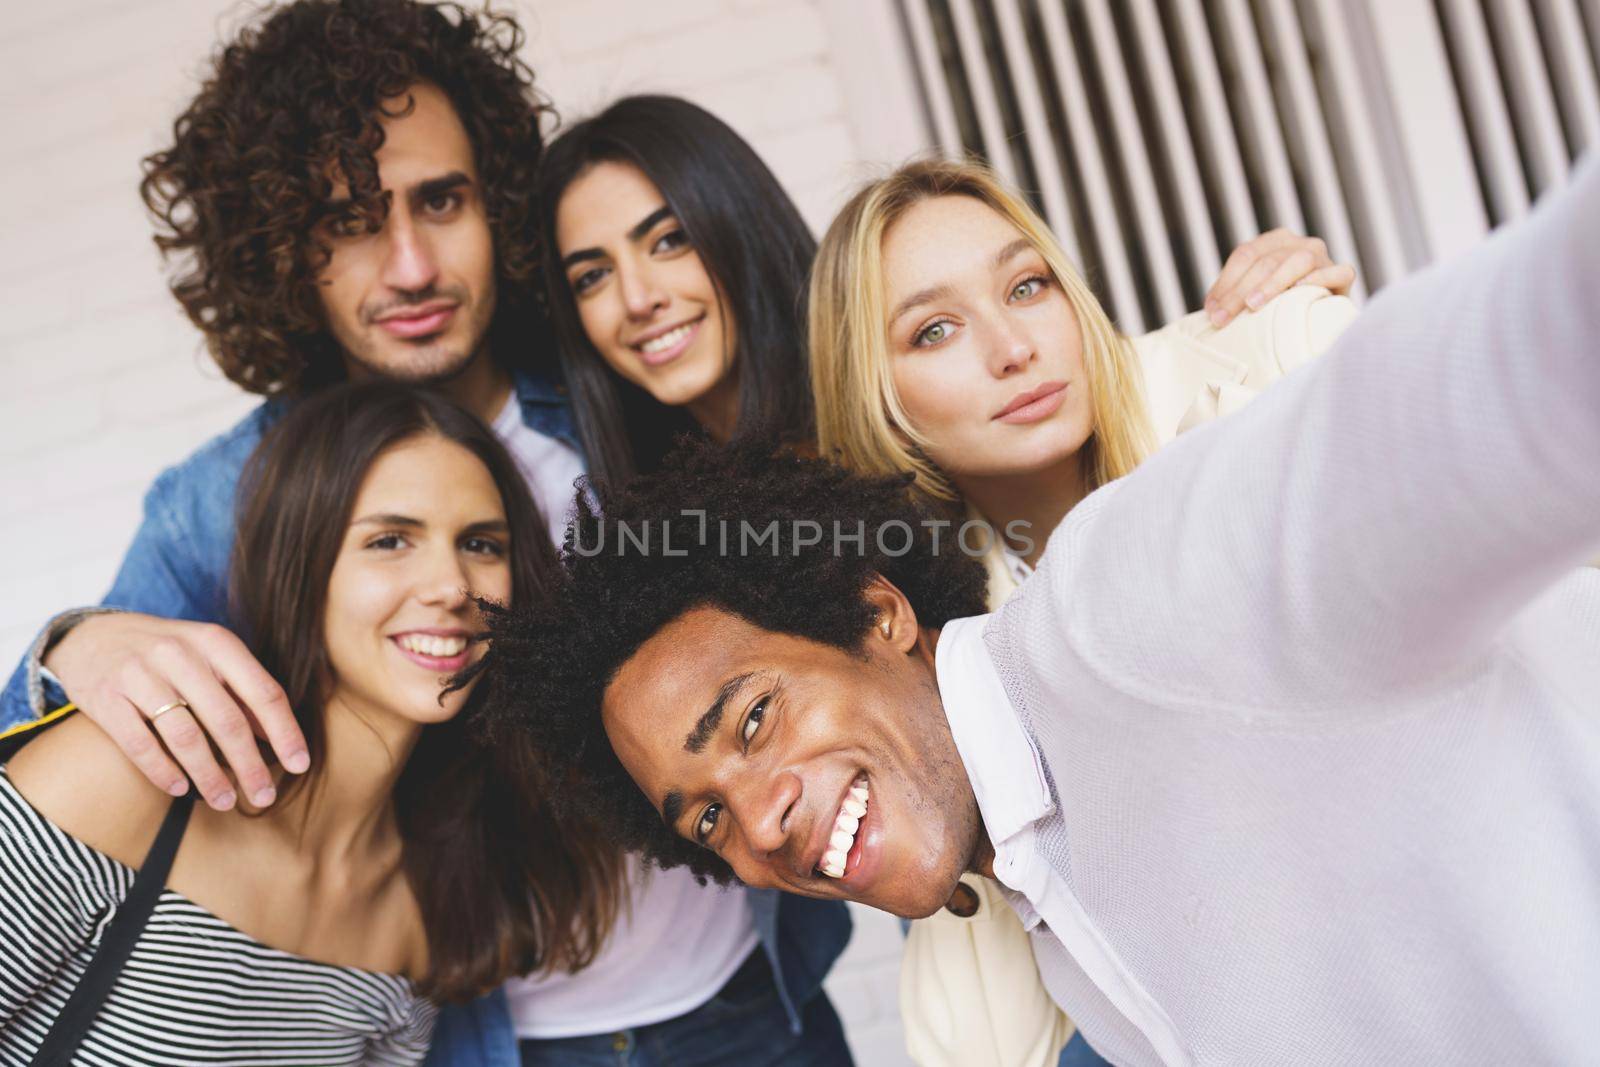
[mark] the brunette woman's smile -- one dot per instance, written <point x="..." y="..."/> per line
<point x="664" y="344"/>
<point x="439" y="650"/>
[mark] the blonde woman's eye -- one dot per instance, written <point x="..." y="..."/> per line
<point x="1031" y="287"/>
<point x="932" y="334"/>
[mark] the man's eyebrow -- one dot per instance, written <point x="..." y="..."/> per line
<point x="427" y="190"/>
<point x="707" y="725"/>
<point x="422" y="191"/>
<point x="672" y="809"/>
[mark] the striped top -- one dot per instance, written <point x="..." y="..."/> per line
<point x="194" y="991"/>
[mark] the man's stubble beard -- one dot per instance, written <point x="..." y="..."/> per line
<point x="943" y="795"/>
<point x="429" y="371"/>
<point x="430" y="364"/>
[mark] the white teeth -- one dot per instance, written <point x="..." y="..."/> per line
<point x="845" y="825"/>
<point x="666" y="340"/>
<point x="432" y="645"/>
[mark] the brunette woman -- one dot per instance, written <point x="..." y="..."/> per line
<point x="412" y="864"/>
<point x="677" y="270"/>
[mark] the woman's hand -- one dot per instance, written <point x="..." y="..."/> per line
<point x="1265" y="266"/>
<point x="168" y="690"/>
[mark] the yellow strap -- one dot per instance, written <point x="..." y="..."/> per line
<point x="46" y="720"/>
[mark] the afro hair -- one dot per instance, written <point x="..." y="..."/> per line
<point x="742" y="527"/>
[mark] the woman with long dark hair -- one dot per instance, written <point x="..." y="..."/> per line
<point x="711" y="334"/>
<point x="414" y="863"/>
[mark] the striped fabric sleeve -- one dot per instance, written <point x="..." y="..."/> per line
<point x="83" y="890"/>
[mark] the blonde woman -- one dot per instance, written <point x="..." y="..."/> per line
<point x="951" y="339"/>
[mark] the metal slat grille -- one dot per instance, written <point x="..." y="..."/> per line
<point x="1526" y="71"/>
<point x="1154" y="135"/>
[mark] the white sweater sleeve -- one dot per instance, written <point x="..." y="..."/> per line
<point x="1375" y="519"/>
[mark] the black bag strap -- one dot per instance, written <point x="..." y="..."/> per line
<point x="117" y="945"/>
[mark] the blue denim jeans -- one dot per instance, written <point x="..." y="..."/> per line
<point x="744" y="1025"/>
<point x="1079" y="1054"/>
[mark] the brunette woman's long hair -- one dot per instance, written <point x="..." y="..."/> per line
<point x="503" y="886"/>
<point x="753" y="243"/>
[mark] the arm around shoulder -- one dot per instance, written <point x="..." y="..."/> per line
<point x="1290" y="330"/>
<point x="1195" y="373"/>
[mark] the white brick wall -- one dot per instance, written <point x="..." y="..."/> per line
<point x="104" y="381"/>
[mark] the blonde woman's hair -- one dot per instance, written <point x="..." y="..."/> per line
<point x="860" y="419"/>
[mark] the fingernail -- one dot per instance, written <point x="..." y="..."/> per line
<point x="1254" y="301"/>
<point x="224" y="801"/>
<point x="264" y="797"/>
<point x="297" y="762"/>
<point x="179" y="788"/>
<point x="1218" y="316"/>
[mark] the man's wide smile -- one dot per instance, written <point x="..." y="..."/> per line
<point x="841" y="852"/>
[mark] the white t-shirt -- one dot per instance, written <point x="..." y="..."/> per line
<point x="676" y="942"/>
<point x="549" y="466"/>
<point x="673" y="947"/>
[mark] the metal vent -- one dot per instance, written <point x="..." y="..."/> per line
<point x="1154" y="135"/>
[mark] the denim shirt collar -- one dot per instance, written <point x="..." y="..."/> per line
<point x="545" y="406"/>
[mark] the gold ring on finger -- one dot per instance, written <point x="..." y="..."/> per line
<point x="169" y="706"/>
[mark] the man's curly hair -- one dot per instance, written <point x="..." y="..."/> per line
<point x="548" y="666"/>
<point x="294" y="98"/>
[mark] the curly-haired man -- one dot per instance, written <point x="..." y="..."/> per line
<point x="350" y="196"/>
<point x="1294" y="761"/>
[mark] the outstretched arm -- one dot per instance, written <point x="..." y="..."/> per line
<point x="1377" y="518"/>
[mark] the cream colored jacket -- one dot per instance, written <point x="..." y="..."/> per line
<point x="970" y="993"/>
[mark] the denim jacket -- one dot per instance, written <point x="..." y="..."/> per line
<point x="177" y="568"/>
